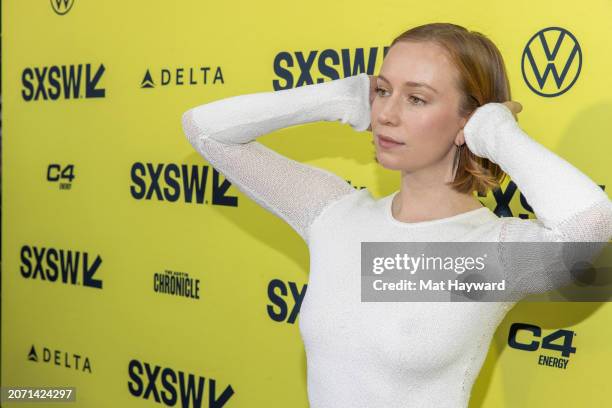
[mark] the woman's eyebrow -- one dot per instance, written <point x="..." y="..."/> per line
<point x="412" y="83"/>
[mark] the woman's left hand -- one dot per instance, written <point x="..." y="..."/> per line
<point x="482" y="125"/>
<point x="513" y="106"/>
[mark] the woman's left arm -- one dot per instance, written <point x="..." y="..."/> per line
<point x="569" y="206"/>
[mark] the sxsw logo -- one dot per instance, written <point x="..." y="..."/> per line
<point x="503" y="198"/>
<point x="551" y="62"/>
<point x="333" y="64"/>
<point x="172" y="182"/>
<point x="62" y="82"/>
<point x="61" y="7"/>
<point x="63" y="265"/>
<point x="170" y="387"/>
<point x="287" y="297"/>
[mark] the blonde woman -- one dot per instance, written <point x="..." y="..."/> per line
<point x="440" y="114"/>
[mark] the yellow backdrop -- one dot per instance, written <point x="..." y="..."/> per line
<point x="107" y="207"/>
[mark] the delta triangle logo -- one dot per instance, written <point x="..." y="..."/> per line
<point x="147" y="81"/>
<point x="32" y="356"/>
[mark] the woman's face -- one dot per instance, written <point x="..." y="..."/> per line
<point x="426" y="121"/>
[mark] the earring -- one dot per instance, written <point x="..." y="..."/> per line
<point x="456" y="160"/>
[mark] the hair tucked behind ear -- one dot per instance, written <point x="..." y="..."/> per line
<point x="482" y="79"/>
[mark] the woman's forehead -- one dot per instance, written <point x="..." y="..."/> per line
<point x="418" y="62"/>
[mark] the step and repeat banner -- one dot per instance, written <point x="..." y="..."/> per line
<point x="133" y="271"/>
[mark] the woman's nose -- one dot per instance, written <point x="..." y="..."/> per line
<point x="388" y="113"/>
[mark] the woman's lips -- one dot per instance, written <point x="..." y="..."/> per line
<point x="387" y="143"/>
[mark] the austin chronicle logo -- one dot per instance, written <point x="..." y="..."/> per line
<point x="551" y="62"/>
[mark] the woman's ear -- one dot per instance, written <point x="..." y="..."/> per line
<point x="460" y="139"/>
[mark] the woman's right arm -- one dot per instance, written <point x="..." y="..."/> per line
<point x="224" y="133"/>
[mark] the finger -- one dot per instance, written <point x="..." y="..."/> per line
<point x="517" y="106"/>
<point x="514" y="106"/>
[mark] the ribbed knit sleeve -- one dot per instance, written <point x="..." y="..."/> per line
<point x="224" y="131"/>
<point x="569" y="206"/>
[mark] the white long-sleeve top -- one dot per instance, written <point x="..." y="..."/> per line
<point x="393" y="354"/>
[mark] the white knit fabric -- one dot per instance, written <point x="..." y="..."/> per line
<point x="402" y="354"/>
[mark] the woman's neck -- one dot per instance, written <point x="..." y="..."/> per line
<point x="431" y="203"/>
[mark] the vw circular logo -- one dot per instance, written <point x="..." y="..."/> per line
<point x="551" y="62"/>
<point x="61" y="7"/>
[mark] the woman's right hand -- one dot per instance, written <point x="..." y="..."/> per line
<point x="372" y="93"/>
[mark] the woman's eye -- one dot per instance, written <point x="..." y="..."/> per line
<point x="416" y="101"/>
<point x="419" y="101"/>
<point x="378" y="90"/>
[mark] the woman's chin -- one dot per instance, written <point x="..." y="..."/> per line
<point x="388" y="161"/>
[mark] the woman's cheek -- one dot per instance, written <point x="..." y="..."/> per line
<point x="424" y="118"/>
<point x="441" y="125"/>
<point x="421" y="125"/>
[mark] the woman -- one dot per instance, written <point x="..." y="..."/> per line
<point x="449" y="136"/>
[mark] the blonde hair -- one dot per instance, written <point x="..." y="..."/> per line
<point x="482" y="79"/>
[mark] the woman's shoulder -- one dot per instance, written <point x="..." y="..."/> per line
<point x="348" y="206"/>
<point x="358" y="199"/>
